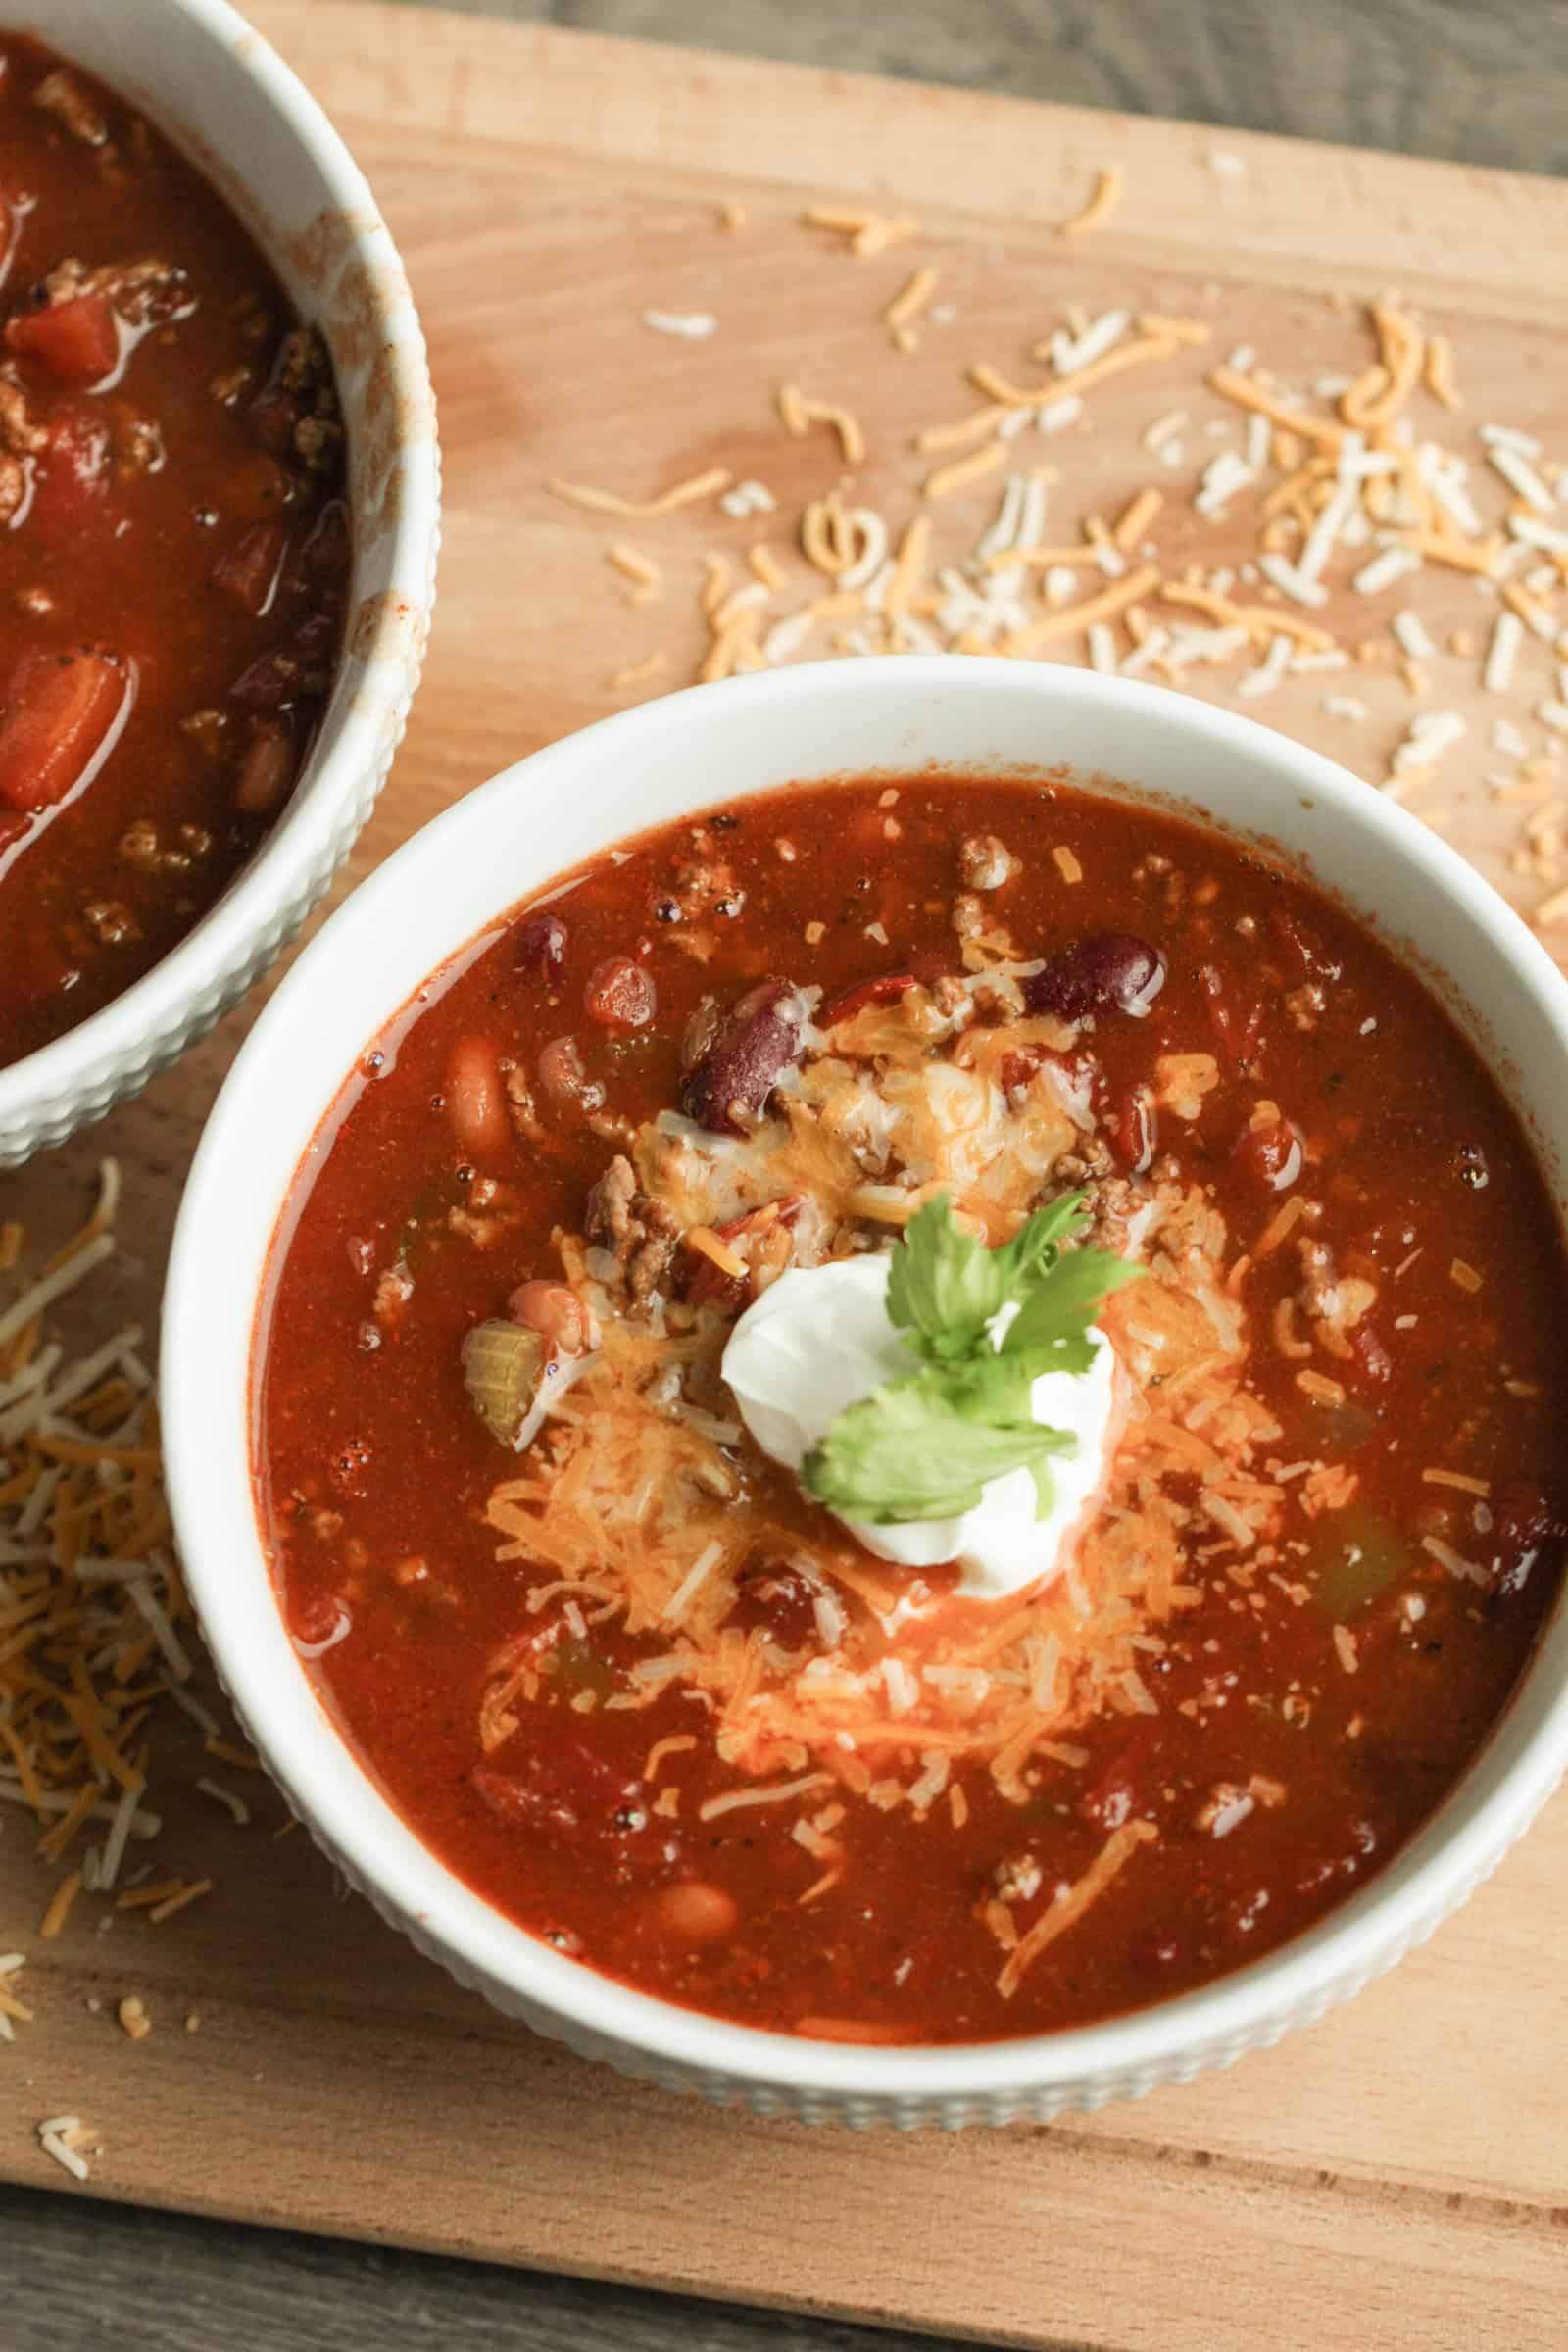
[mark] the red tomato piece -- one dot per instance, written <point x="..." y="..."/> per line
<point x="250" y="570"/>
<point x="76" y="341"/>
<point x="60" y="714"/>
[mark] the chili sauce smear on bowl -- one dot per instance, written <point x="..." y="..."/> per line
<point x="174" y="546"/>
<point x="921" y="1411"/>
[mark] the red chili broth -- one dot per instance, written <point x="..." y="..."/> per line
<point x="1402" y="1120"/>
<point x="161" y="526"/>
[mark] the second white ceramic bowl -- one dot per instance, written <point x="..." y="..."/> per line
<point x="208" y="81"/>
<point x="650" y="765"/>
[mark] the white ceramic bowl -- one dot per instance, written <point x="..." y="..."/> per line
<point x="469" y="868"/>
<point x="208" y="81"/>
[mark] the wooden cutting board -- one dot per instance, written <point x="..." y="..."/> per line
<point x="1399" y="2175"/>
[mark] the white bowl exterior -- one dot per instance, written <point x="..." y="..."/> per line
<point x="720" y="743"/>
<point x="225" y="98"/>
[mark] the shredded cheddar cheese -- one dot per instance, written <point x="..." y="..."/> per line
<point x="610" y="502"/>
<point x="1110" y="186"/>
<point x="93" y="1614"/>
<point x="869" y="233"/>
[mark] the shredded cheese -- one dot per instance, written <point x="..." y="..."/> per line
<point x="610" y="502"/>
<point x="1110" y="186"/>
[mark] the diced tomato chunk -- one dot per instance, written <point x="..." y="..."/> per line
<point x="60" y="713"/>
<point x="249" y="570"/>
<point x="76" y="341"/>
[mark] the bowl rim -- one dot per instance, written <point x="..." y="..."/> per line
<point x="151" y="1014"/>
<point x="1505" y="1786"/>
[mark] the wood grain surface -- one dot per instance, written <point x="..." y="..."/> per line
<point x="1394" y="2178"/>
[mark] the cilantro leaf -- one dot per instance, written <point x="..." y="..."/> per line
<point x="906" y="1453"/>
<point x="944" y="1286"/>
<point x="925" y="1444"/>
<point x="1050" y="1327"/>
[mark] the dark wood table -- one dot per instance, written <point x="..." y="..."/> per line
<point x="1480" y="84"/>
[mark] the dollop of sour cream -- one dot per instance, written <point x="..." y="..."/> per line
<point x="818" y="1339"/>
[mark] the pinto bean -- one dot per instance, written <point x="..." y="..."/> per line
<point x="564" y="1078"/>
<point x="268" y="768"/>
<point x="476" y="1101"/>
<point x="695" y="1912"/>
<point x="620" y="993"/>
<point x="1113" y="972"/>
<point x="757" y="1040"/>
<point x="555" y="1313"/>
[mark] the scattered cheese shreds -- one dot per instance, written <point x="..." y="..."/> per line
<point x="1109" y="187"/>
<point x="692" y="326"/>
<point x="1330" y="486"/>
<point x="610" y="502"/>
<point x="90" y="1583"/>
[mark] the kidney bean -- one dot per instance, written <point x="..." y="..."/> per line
<point x="542" y="946"/>
<point x="1113" y="972"/>
<point x="1133" y="1132"/>
<point x="1270" y="1155"/>
<point x="885" y="989"/>
<point x="1531" y="1530"/>
<point x="694" y="1912"/>
<point x="620" y="993"/>
<point x="757" y="1040"/>
<point x="476" y="1101"/>
<point x="563" y="1077"/>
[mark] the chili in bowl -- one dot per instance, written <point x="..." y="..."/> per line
<point x="217" y="527"/>
<point x="876" y="1428"/>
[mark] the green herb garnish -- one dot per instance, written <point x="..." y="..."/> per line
<point x="925" y="1444"/>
